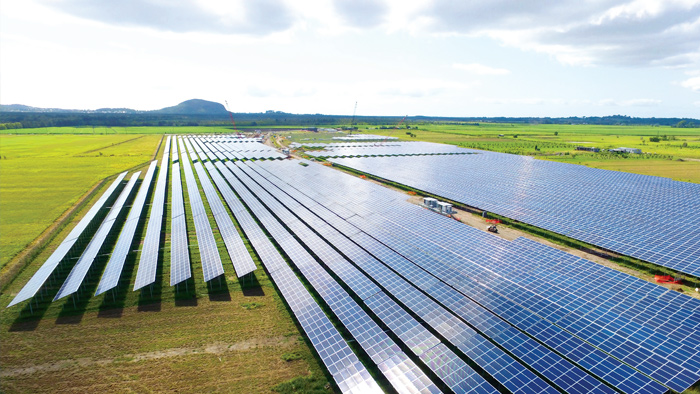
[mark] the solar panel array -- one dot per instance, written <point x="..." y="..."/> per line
<point x="208" y="251"/>
<point x="364" y="137"/>
<point x="520" y="379"/>
<point x="613" y="335"/>
<point x="81" y="268"/>
<point x="49" y="266"/>
<point x="393" y="149"/>
<point x="148" y="260"/>
<point x="113" y="270"/>
<point x="342" y="144"/>
<point x="622" y="212"/>
<point x="431" y="302"/>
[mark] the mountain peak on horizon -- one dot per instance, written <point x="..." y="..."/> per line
<point x="195" y="107"/>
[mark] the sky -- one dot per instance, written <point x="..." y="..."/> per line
<point x="475" y="58"/>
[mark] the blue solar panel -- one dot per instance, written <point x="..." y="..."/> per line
<point x="40" y="277"/>
<point x="179" y="251"/>
<point x="623" y="212"/>
<point x="148" y="259"/>
<point x="208" y="251"/>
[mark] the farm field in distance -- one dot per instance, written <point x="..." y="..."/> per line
<point x="44" y="175"/>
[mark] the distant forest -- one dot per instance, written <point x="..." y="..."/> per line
<point x="276" y="118"/>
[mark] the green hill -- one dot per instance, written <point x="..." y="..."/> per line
<point x="194" y="107"/>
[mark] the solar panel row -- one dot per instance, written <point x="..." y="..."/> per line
<point x="180" y="269"/>
<point x="393" y="149"/>
<point x="343" y="365"/>
<point x="422" y="226"/>
<point x="63" y="250"/>
<point x="148" y="260"/>
<point x="81" y="268"/>
<point x="208" y="251"/>
<point x="623" y="212"/>
<point x="380" y="348"/>
<point x="244" y="150"/>
<point x="113" y="270"/>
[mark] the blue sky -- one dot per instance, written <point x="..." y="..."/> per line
<point x="410" y="57"/>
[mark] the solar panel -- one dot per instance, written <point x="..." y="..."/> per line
<point x="208" y="251"/>
<point x="623" y="212"/>
<point x="148" y="259"/>
<point x="80" y="270"/>
<point x="180" y="269"/>
<point x="40" y="277"/>
<point x="380" y="149"/>
<point x="110" y="277"/>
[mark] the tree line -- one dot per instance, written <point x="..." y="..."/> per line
<point x="276" y="118"/>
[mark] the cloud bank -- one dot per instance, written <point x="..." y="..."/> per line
<point x="252" y="17"/>
<point x="610" y="32"/>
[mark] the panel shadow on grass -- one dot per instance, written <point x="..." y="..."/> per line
<point x="218" y="289"/>
<point x="185" y="293"/>
<point x="250" y="286"/>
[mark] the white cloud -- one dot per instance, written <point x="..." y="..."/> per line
<point x="253" y="17"/>
<point x="692" y="84"/>
<point x="615" y="32"/>
<point x="480" y="69"/>
<point x="640" y="102"/>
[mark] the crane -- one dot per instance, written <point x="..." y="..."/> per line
<point x="394" y="129"/>
<point x="352" y="122"/>
<point x="232" y="121"/>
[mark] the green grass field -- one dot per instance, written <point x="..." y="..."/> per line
<point x="43" y="176"/>
<point x="121" y="130"/>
